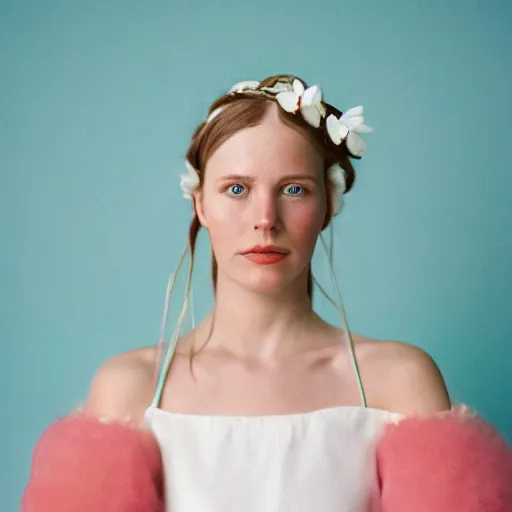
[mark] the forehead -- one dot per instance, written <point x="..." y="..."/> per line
<point x="271" y="145"/>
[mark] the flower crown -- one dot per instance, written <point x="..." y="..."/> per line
<point x="295" y="98"/>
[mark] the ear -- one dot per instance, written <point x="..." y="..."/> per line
<point x="199" y="207"/>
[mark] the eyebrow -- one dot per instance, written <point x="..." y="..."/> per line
<point x="251" y="179"/>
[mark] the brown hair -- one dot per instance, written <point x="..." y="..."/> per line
<point x="248" y="109"/>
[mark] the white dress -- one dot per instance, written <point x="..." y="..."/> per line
<point x="319" y="461"/>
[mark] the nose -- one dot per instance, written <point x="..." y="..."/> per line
<point x="265" y="212"/>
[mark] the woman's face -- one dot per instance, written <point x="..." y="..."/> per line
<point x="263" y="202"/>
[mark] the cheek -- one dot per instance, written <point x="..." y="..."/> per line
<point x="225" y="221"/>
<point x="222" y="211"/>
<point x="305" y="223"/>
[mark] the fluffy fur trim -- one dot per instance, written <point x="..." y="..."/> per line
<point x="448" y="462"/>
<point x="85" y="464"/>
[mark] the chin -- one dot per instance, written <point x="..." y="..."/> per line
<point x="267" y="279"/>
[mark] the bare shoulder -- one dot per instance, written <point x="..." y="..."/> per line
<point x="123" y="386"/>
<point x="402" y="378"/>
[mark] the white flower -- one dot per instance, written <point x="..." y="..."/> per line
<point x="308" y="100"/>
<point x="336" y="175"/>
<point x="348" y="127"/>
<point x="189" y="182"/>
<point x="244" y="86"/>
<point x="278" y="87"/>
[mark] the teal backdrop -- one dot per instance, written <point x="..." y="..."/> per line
<point x="98" y="101"/>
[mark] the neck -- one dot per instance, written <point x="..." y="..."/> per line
<point x="249" y="324"/>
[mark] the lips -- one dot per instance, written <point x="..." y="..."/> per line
<point x="266" y="249"/>
<point x="265" y="255"/>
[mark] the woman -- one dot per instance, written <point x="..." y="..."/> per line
<point x="264" y="406"/>
<point x="264" y="198"/>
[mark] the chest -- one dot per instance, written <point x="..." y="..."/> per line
<point x="291" y="386"/>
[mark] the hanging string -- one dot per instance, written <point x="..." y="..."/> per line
<point x="163" y="367"/>
<point x="338" y="304"/>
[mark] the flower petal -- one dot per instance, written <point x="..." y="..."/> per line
<point x="353" y="121"/>
<point x="355" y="144"/>
<point x="312" y="95"/>
<point x="289" y="101"/>
<point x="311" y="115"/>
<point x="337" y="131"/>
<point x="336" y="176"/>
<point x="191" y="170"/>
<point x="242" y="86"/>
<point x="189" y="182"/>
<point x="186" y="186"/>
<point x="278" y="87"/>
<point x="354" y="111"/>
<point x="283" y="86"/>
<point x="298" y="87"/>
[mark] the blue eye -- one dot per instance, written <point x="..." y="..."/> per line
<point x="294" y="190"/>
<point x="237" y="189"/>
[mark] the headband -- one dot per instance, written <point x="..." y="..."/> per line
<point x="296" y="99"/>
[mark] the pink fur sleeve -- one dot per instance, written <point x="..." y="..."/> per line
<point x="453" y="462"/>
<point x="82" y="464"/>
